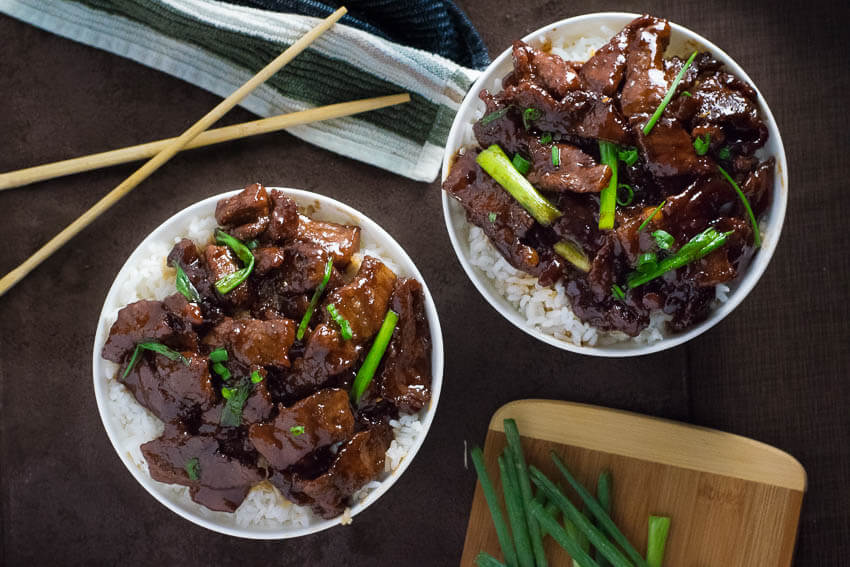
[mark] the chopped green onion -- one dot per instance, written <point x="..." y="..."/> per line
<point x="517" y="459"/>
<point x="494" y="161"/>
<point x="231" y="415"/>
<point x="550" y="525"/>
<point x="664" y="239"/>
<point x="652" y="216"/>
<point x="193" y="468"/>
<point x="701" y="144"/>
<point x="556" y="156"/>
<point x="252" y="244"/>
<point x="546" y="138"/>
<point x="608" y="198"/>
<point x="184" y="286"/>
<point x="630" y="195"/>
<point x="256" y="377"/>
<point x="603" y="494"/>
<point x="344" y="325"/>
<point x="516" y="515"/>
<point x="297" y="430"/>
<point x="218" y="355"/>
<point x="658" y="111"/>
<point x="495" y="115"/>
<point x="686" y="93"/>
<point x="222" y="371"/>
<point x="628" y="156"/>
<point x="226" y="392"/>
<point x="573" y="254"/>
<point x="484" y="559"/>
<point x="724" y="153"/>
<point x="753" y="221"/>
<point x="646" y="262"/>
<point x="230" y="281"/>
<point x="373" y="357"/>
<point x="699" y="246"/>
<point x="521" y="164"/>
<point x="659" y="527"/>
<point x="618" y="292"/>
<point x="578" y="536"/>
<point x="302" y="327"/>
<point x="505" y="541"/>
<point x="492" y="217"/>
<point x="156" y="347"/>
<point x="529" y="115"/>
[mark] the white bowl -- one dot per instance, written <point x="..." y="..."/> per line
<point x="683" y="41"/>
<point x="321" y="208"/>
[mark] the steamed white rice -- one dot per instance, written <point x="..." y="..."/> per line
<point x="547" y="309"/>
<point x="264" y="507"/>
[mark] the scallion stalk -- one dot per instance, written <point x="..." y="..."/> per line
<point x="494" y="161"/>
<point x="753" y="221"/>
<point x="231" y="414"/>
<point x="373" y="358"/>
<point x="573" y="254"/>
<point x="554" y="529"/>
<point x="608" y="197"/>
<point x="666" y="100"/>
<point x="185" y="286"/>
<point x="156" y="347"/>
<point x="505" y="541"/>
<point x="603" y="494"/>
<point x="699" y="246"/>
<point x="659" y="527"/>
<point x="516" y="515"/>
<point x="344" y="325"/>
<point x="486" y="560"/>
<point x="521" y="164"/>
<point x="652" y="216"/>
<point x="231" y="281"/>
<point x="317" y="294"/>
<point x="518" y="458"/>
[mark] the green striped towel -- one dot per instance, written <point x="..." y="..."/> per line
<point x="218" y="46"/>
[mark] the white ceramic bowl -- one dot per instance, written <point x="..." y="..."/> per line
<point x="683" y="41"/>
<point x="321" y="208"/>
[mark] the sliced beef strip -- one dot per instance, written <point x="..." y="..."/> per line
<point x="358" y="462"/>
<point x="363" y="301"/>
<point x="580" y="221"/>
<point x="340" y="240"/>
<point x="506" y="131"/>
<point x="759" y="186"/>
<point x="405" y="375"/>
<point x="687" y="214"/>
<point x="645" y="83"/>
<point x="147" y="320"/>
<point x="481" y="197"/>
<point x="246" y="214"/>
<point x="668" y="149"/>
<point x="190" y="313"/>
<point x="576" y="171"/>
<point x="223" y="482"/>
<point x="557" y="75"/>
<point x="604" y="72"/>
<point x="304" y="266"/>
<point x="325" y="417"/>
<point x="283" y="218"/>
<point x="254" y="342"/>
<point x="221" y="262"/>
<point x="185" y="254"/>
<point x="326" y="355"/>
<point x="727" y="102"/>
<point x="267" y="259"/>
<point x="259" y="406"/>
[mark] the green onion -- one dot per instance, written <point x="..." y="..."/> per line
<point x="494" y="161"/>
<point x="753" y="221"/>
<point x="608" y="197"/>
<point x="495" y="115"/>
<point x="516" y="515"/>
<point x="601" y="515"/>
<point x="699" y="246"/>
<point x="492" y="217"/>
<point x="222" y="371"/>
<point x="686" y="93"/>
<point x="218" y="355"/>
<point x="486" y="560"/>
<point x="518" y="459"/>
<point x="618" y="292"/>
<point x="664" y="239"/>
<point x="659" y="527"/>
<point x="373" y="358"/>
<point x="231" y="415"/>
<point x="302" y="327"/>
<point x="521" y="164"/>
<point x="573" y="254"/>
<point x="230" y="281"/>
<point x="529" y="115"/>
<point x="551" y="526"/>
<point x="724" y="153"/>
<point x="646" y="262"/>
<point x="579" y="537"/>
<point x="184" y="286"/>
<point x="658" y="111"/>
<point x="193" y="468"/>
<point x="344" y="325"/>
<point x="505" y="541"/>
<point x="701" y="144"/>
<point x="630" y="195"/>
<point x="252" y="244"/>
<point x="546" y="138"/>
<point x="556" y="156"/>
<point x="156" y="347"/>
<point x="297" y="430"/>
<point x="652" y="216"/>
<point x="628" y="156"/>
<point x="256" y="377"/>
<point x="603" y="494"/>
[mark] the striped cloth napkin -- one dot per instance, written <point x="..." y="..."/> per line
<point x="218" y="45"/>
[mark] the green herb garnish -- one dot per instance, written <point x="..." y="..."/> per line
<point x="185" y="287"/>
<point x="529" y="115"/>
<point x="628" y="198"/>
<point x="495" y="115"/>
<point x="521" y="164"/>
<point x="753" y="221"/>
<point x="230" y="281"/>
<point x="219" y="355"/>
<point x="546" y="138"/>
<point x="573" y="254"/>
<point x="608" y="198"/>
<point x="628" y="156"/>
<point x="231" y="414"/>
<point x="556" y="156"/>
<point x="658" y="111"/>
<point x="156" y="347"/>
<point x="252" y="244"/>
<point x="618" y="292"/>
<point x="502" y="531"/>
<point x="492" y="217"/>
<point x="344" y="325"/>
<point x="686" y="93"/>
<point x="663" y="239"/>
<point x="302" y="327"/>
<point x="256" y="377"/>
<point x="297" y="430"/>
<point x="699" y="246"/>
<point x="373" y="358"/>
<point x="652" y="216"/>
<point x="222" y="371"/>
<point x="193" y="468"/>
<point x="724" y="153"/>
<point x="646" y="262"/>
<point x="701" y="144"/>
<point x="659" y="527"/>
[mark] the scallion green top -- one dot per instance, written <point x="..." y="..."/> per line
<point x="666" y="100"/>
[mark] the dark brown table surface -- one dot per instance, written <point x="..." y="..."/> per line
<point x="775" y="370"/>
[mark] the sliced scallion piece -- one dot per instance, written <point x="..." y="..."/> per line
<point x="646" y="262"/>
<point x="608" y="197"/>
<point x="185" y="287"/>
<point x="231" y="281"/>
<point x="659" y="527"/>
<point x="529" y="115"/>
<point x="628" y="198"/>
<point x="618" y="292"/>
<point x="652" y="216"/>
<point x="296" y="430"/>
<point x="701" y="144"/>
<point x="373" y="357"/>
<point x="546" y="138"/>
<point x="628" y="156"/>
<point x="502" y="532"/>
<point x="556" y="155"/>
<point x="753" y="221"/>
<point x="494" y="161"/>
<point x="495" y="115"/>
<point x="699" y="246"/>
<point x="305" y="320"/>
<point x="658" y="111"/>
<point x="492" y="216"/>
<point x="231" y="414"/>
<point x="521" y="164"/>
<point x="344" y="325"/>
<point x="219" y="355"/>
<point x="222" y="371"/>
<point x="724" y="153"/>
<point x="156" y="347"/>
<point x="193" y="468"/>
<point x="256" y="377"/>
<point x="573" y="254"/>
<point x="663" y="239"/>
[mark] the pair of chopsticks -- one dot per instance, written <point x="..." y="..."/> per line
<point x="163" y="150"/>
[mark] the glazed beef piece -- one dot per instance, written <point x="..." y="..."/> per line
<point x="405" y="375"/>
<point x="220" y="262"/>
<point x="604" y="72"/>
<point x="246" y="214"/>
<point x="728" y="104"/>
<point x="759" y="185"/>
<point x="319" y="420"/>
<point x="645" y="82"/>
<point x="500" y="125"/>
<point x="364" y="300"/>
<point x="147" y="320"/>
<point x="668" y="149"/>
<point x="185" y="254"/>
<point x="358" y="462"/>
<point x="254" y="342"/>
<point x="580" y="221"/>
<point x="326" y="355"/>
<point x="283" y="218"/>
<point x="576" y="171"/>
<point x="340" y="240"/>
<point x="218" y="481"/>
<point x="303" y="268"/>
<point x="555" y="74"/>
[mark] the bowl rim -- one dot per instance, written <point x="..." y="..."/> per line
<point x="742" y="287"/>
<point x="399" y="256"/>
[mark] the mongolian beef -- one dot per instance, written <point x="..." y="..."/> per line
<point x="282" y="357"/>
<point x="631" y="177"/>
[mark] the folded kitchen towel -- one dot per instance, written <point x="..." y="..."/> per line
<point x="378" y="49"/>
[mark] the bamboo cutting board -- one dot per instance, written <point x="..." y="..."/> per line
<point x="734" y="502"/>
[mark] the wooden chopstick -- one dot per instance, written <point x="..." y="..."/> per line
<point x="237" y="131"/>
<point x="166" y="153"/>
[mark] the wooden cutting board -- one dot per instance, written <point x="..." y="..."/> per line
<point x="733" y="501"/>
